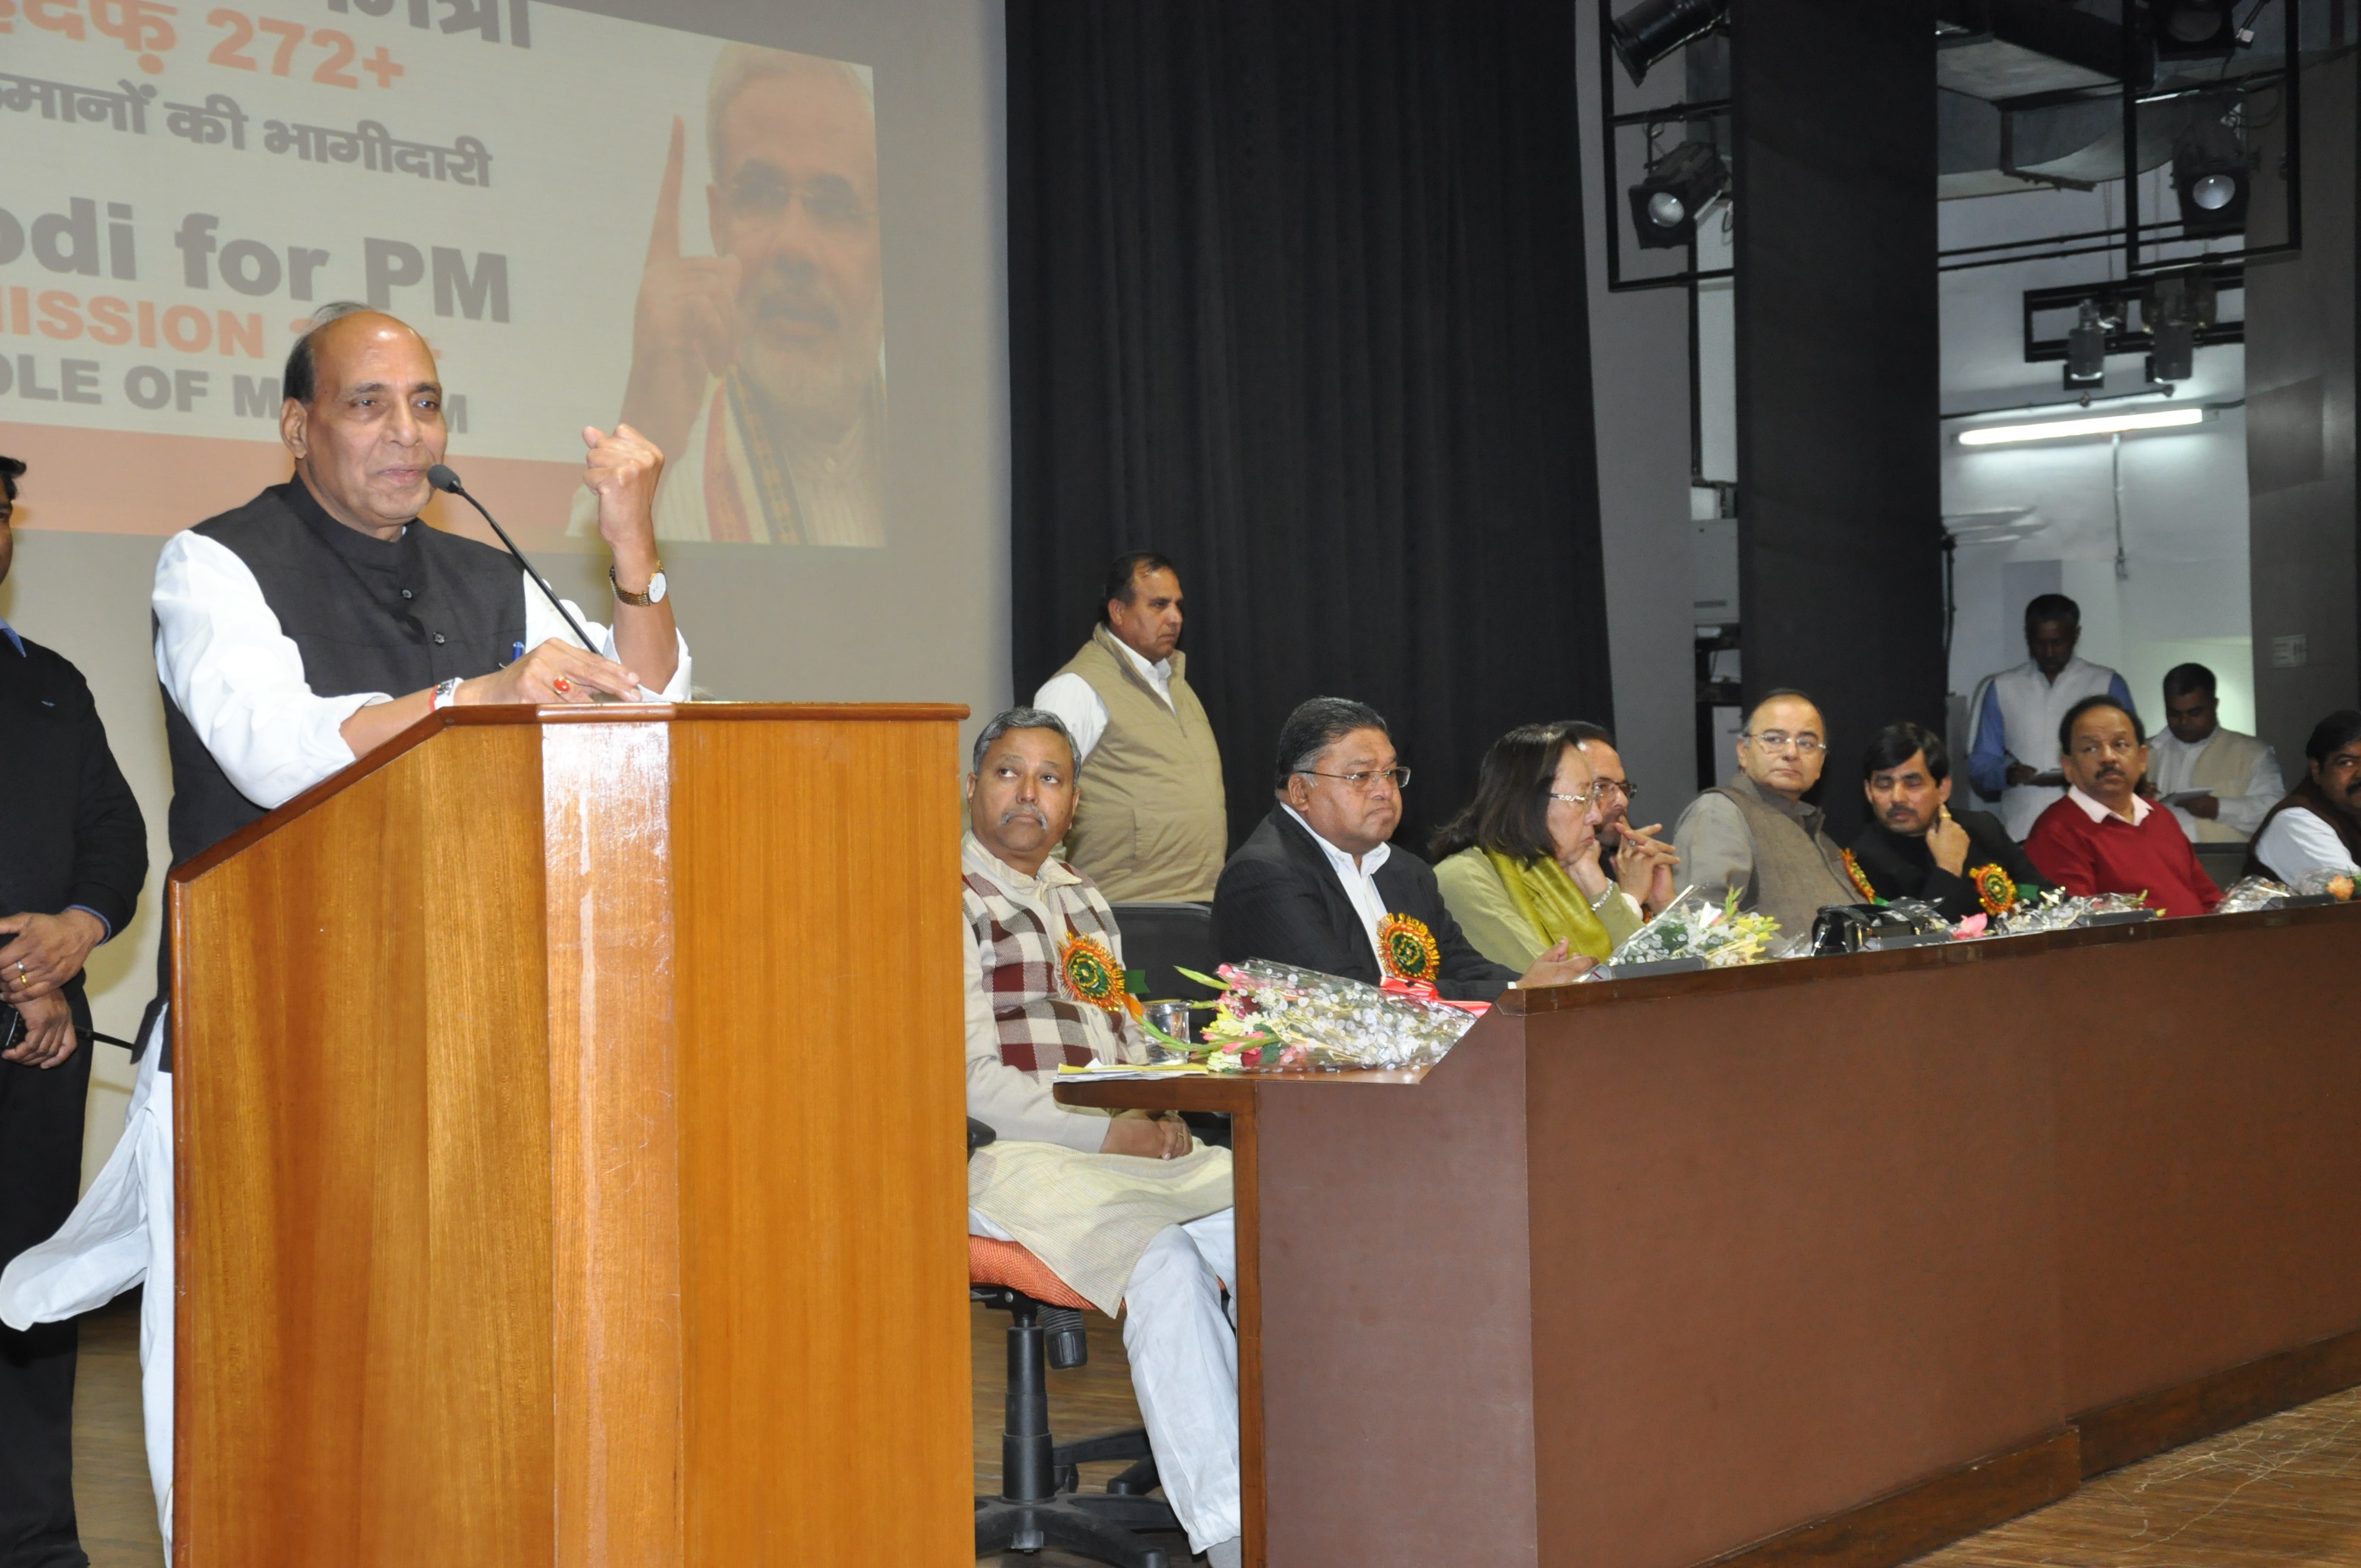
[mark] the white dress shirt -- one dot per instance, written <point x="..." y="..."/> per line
<point x="1360" y="882"/>
<point x="2098" y="810"/>
<point x="2298" y="843"/>
<point x="2171" y="761"/>
<point x="1083" y="711"/>
<point x="239" y="681"/>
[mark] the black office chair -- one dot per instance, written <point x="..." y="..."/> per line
<point x="1162" y="938"/>
<point x="1040" y="1503"/>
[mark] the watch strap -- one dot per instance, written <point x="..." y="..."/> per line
<point x="627" y="596"/>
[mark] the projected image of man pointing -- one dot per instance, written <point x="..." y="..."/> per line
<point x="762" y="365"/>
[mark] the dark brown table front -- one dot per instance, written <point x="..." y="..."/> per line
<point x="1829" y="1260"/>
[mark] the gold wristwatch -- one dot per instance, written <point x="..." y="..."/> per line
<point x="656" y="588"/>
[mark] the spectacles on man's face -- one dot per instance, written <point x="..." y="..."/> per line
<point x="761" y="197"/>
<point x="1775" y="741"/>
<point x="1618" y="786"/>
<point x="1366" y="784"/>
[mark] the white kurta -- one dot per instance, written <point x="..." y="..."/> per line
<point x="2297" y="844"/>
<point x="238" y="680"/>
<point x="2242" y="771"/>
<point x="1151" y="1238"/>
<point x="2031" y="708"/>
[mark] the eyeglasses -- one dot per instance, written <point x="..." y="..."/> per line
<point x="1628" y="790"/>
<point x="760" y="200"/>
<point x="1802" y="745"/>
<point x="1584" y="799"/>
<point x="1365" y="783"/>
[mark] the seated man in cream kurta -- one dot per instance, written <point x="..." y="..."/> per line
<point x="1128" y="1209"/>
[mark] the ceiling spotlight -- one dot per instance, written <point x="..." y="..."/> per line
<point x="1654" y="28"/>
<point x="2086" y="348"/>
<point x="2176" y="308"/>
<point x="1680" y="186"/>
<point x="2213" y="175"/>
<point x="2195" y="30"/>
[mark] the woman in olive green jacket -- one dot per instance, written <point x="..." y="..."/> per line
<point x="1518" y="868"/>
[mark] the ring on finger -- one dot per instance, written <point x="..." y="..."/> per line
<point x="560" y="685"/>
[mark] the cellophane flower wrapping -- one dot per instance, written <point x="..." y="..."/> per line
<point x="2058" y="910"/>
<point x="1692" y="927"/>
<point x="1276" y="1018"/>
<point x="2328" y="880"/>
<point x="2249" y="893"/>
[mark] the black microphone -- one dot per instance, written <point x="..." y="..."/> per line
<point x="443" y="478"/>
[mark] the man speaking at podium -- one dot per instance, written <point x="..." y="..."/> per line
<point x="294" y="635"/>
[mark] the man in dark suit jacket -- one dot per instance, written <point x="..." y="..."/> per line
<point x="1915" y="846"/>
<point x="1317" y="885"/>
<point x="73" y="853"/>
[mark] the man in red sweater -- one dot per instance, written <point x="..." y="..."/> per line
<point x="2103" y="837"/>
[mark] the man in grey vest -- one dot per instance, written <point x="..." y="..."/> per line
<point x="1755" y="835"/>
<point x="1153" y="825"/>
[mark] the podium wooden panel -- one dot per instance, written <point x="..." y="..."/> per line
<point x="569" y="1123"/>
<point x="1814" y="1265"/>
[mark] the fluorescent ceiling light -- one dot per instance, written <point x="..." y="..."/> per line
<point x="2061" y="429"/>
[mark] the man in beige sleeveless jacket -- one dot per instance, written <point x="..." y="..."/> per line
<point x="2218" y="783"/>
<point x="1755" y="835"/>
<point x="1153" y="825"/>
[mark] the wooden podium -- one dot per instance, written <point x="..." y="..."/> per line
<point x="570" y="1137"/>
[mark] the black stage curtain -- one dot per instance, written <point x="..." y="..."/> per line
<point x="1840" y="348"/>
<point x="1296" y="297"/>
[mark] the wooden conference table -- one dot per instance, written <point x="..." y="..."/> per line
<point x="1831" y="1260"/>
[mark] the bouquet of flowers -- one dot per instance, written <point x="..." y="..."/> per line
<point x="2335" y="883"/>
<point x="2249" y="893"/>
<point x="2058" y="910"/>
<point x="1691" y="928"/>
<point x="1272" y="1018"/>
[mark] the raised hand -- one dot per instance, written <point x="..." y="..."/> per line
<point x="685" y="325"/>
<point x="622" y="470"/>
<point x="1643" y="864"/>
<point x="1948" y="842"/>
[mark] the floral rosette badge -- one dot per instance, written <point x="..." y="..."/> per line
<point x="1092" y="974"/>
<point x="1859" y="878"/>
<point x="1995" y="888"/>
<point x="1408" y="949"/>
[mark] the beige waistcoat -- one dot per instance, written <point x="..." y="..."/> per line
<point x="2226" y="767"/>
<point x="1153" y="825"/>
<point x="1798" y="869"/>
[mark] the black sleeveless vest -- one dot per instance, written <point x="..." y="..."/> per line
<point x="366" y="616"/>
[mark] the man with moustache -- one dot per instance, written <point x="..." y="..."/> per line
<point x="1318" y="885"/>
<point x="1915" y="846"/>
<point x="1127" y="1209"/>
<point x="2103" y="837"/>
<point x="1617" y="836"/>
<point x="760" y="368"/>
<point x="2316" y="830"/>
<point x="1154" y="823"/>
<point x="2216" y="782"/>
<point x="294" y="635"/>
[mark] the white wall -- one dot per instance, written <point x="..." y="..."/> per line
<point x="2184" y="491"/>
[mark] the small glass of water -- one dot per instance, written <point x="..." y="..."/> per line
<point x="1171" y="1018"/>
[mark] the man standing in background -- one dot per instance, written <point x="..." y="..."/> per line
<point x="2218" y="783"/>
<point x="2014" y="757"/>
<point x="1153" y="824"/>
<point x="73" y="854"/>
<point x="761" y="367"/>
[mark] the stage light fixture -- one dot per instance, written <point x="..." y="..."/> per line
<point x="1654" y="28"/>
<point x="2064" y="429"/>
<point x="2176" y="309"/>
<point x="2194" y="30"/>
<point x="2086" y="348"/>
<point x="1680" y="186"/>
<point x="2213" y="175"/>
